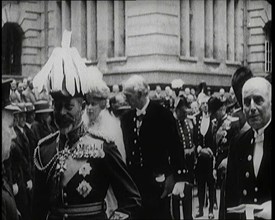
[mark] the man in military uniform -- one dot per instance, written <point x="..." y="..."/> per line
<point x="154" y="155"/>
<point x="73" y="168"/>
<point x="8" y="207"/>
<point x="225" y="128"/>
<point x="185" y="131"/>
<point x="249" y="162"/>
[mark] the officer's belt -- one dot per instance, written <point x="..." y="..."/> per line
<point x="79" y="210"/>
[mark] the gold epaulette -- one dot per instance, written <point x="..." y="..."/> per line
<point x="48" y="138"/>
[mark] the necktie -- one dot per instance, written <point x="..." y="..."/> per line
<point x="258" y="152"/>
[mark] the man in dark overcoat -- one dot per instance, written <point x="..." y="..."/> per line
<point x="154" y="155"/>
<point x="249" y="162"/>
<point x="8" y="207"/>
<point x="21" y="165"/>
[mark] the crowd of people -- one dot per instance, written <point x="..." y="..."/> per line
<point x="132" y="153"/>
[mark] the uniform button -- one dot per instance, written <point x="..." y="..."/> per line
<point x="244" y="192"/>
<point x="251" y="141"/>
<point x="130" y="163"/>
<point x="255" y="200"/>
<point x="246" y="174"/>
<point x="66" y="204"/>
<point x="141" y="164"/>
<point x="135" y="119"/>
<point x="135" y="141"/>
<point x="65" y="215"/>
<point x="179" y="171"/>
<point x="184" y="171"/>
<point x="135" y="129"/>
<point x="65" y="195"/>
<point x="249" y="158"/>
<point x="256" y="189"/>
<point x="133" y="153"/>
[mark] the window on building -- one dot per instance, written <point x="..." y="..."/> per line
<point x="12" y="35"/>
<point x="268" y="48"/>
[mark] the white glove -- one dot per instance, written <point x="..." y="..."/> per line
<point x="15" y="189"/>
<point x="223" y="164"/>
<point x="215" y="174"/>
<point x="179" y="189"/>
<point x="266" y="212"/>
<point x="29" y="185"/>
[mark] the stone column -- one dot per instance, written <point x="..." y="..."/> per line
<point x="230" y="30"/>
<point x="78" y="19"/>
<point x="119" y="25"/>
<point x="66" y="15"/>
<point x="91" y="30"/>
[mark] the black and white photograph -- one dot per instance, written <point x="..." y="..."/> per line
<point x="136" y="109"/>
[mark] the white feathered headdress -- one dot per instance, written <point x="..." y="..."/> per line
<point x="177" y="83"/>
<point x="65" y="71"/>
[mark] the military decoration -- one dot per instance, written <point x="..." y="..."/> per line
<point x="85" y="169"/>
<point x="84" y="188"/>
<point x="61" y="165"/>
<point x="84" y="150"/>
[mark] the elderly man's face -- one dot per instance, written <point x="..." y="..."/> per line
<point x="132" y="97"/>
<point x="68" y="113"/>
<point x="204" y="105"/>
<point x="256" y="104"/>
<point x="7" y="133"/>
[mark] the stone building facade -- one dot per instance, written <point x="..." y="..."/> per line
<point x="193" y="40"/>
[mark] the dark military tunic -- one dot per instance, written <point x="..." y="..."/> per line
<point x="73" y="176"/>
<point x="226" y="129"/>
<point x="242" y="186"/>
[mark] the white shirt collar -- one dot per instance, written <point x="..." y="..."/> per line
<point x="29" y="125"/>
<point x="261" y="130"/>
<point x="21" y="129"/>
<point x="206" y="115"/>
<point x="143" y="110"/>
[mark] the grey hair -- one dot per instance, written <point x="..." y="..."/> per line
<point x="136" y="83"/>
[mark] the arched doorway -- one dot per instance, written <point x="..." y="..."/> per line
<point x="12" y="36"/>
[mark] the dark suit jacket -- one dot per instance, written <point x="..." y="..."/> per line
<point x="40" y="130"/>
<point x="242" y="186"/>
<point x="155" y="152"/>
<point x="9" y="210"/>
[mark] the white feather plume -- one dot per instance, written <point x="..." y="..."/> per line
<point x="65" y="70"/>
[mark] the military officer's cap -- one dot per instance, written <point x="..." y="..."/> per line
<point x="214" y="104"/>
<point x="241" y="75"/>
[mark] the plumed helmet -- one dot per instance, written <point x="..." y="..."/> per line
<point x="65" y="73"/>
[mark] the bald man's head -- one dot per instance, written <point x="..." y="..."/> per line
<point x="256" y="93"/>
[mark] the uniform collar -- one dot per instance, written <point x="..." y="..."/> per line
<point x="75" y="134"/>
<point x="143" y="110"/>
